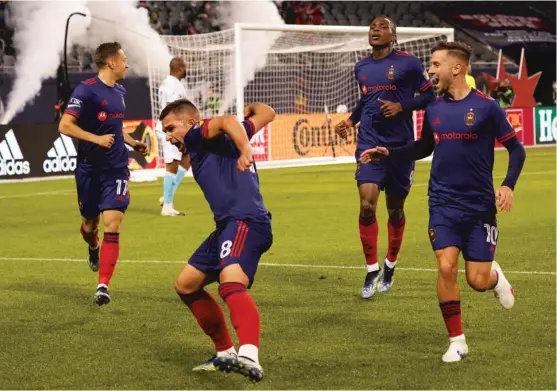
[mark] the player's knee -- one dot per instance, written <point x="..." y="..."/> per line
<point x="112" y="226"/>
<point x="89" y="225"/>
<point x="184" y="288"/>
<point x="448" y="271"/>
<point x="368" y="207"/>
<point x="396" y="214"/>
<point x="478" y="282"/>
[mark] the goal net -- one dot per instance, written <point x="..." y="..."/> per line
<point x="306" y="73"/>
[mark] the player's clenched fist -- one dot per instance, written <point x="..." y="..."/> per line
<point x="105" y="141"/>
<point x="373" y="155"/>
<point x="246" y="160"/>
<point x="342" y="128"/>
<point x="390" y="109"/>
<point x="505" y="198"/>
<point x="141" y="147"/>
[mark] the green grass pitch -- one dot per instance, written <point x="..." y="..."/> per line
<point x="317" y="333"/>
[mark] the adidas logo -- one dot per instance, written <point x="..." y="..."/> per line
<point x="11" y="159"/>
<point x="61" y="157"/>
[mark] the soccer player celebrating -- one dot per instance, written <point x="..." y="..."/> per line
<point x="177" y="165"/>
<point x="461" y="127"/>
<point x="94" y="116"/>
<point x="388" y="81"/>
<point x="223" y="167"/>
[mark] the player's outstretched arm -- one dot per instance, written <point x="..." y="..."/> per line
<point x="260" y="115"/>
<point x="415" y="150"/>
<point x="230" y="126"/>
<point x="68" y="126"/>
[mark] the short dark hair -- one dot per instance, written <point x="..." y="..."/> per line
<point x="459" y="49"/>
<point x="177" y="106"/>
<point x="104" y="51"/>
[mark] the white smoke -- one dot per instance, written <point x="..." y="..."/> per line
<point x="39" y="40"/>
<point x="122" y="21"/>
<point x="255" y="44"/>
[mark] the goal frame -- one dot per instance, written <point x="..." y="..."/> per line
<point x="239" y="28"/>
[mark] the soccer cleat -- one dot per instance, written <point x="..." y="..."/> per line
<point x="168" y="210"/>
<point x="370" y="284"/>
<point x="209" y="365"/>
<point x="101" y="296"/>
<point x="458" y="349"/>
<point x="386" y="280"/>
<point x="93" y="259"/>
<point x="242" y="365"/>
<point x="503" y="290"/>
<point x="250" y="369"/>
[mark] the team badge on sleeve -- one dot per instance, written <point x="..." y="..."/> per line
<point x="432" y="236"/>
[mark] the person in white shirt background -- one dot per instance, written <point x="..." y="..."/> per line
<point x="172" y="89"/>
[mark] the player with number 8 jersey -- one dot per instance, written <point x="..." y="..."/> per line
<point x="94" y="115"/>
<point x="223" y="166"/>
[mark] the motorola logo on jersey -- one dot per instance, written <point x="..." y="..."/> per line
<point x="115" y="115"/>
<point x="454" y="136"/>
<point x="380" y="87"/>
<point x="102" y="116"/>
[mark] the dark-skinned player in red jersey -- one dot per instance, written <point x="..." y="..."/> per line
<point x="388" y="80"/>
<point x="94" y="116"/>
<point x="461" y="127"/>
<point x="223" y="166"/>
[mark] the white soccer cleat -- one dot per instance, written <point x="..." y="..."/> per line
<point x="168" y="210"/>
<point x="503" y="291"/>
<point x="458" y="349"/>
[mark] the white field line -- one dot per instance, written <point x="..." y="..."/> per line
<point x="72" y="192"/>
<point x="266" y="264"/>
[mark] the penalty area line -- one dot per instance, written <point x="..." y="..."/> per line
<point x="265" y="264"/>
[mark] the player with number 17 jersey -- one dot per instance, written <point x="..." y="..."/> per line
<point x="95" y="115"/>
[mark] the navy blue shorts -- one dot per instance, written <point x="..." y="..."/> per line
<point x="395" y="177"/>
<point x="234" y="241"/>
<point x="100" y="190"/>
<point x="476" y="237"/>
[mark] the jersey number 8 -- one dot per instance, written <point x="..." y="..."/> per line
<point x="226" y="248"/>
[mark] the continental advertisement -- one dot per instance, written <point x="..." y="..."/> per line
<point x="295" y="136"/>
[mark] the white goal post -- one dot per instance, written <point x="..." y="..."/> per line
<point x="305" y="72"/>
